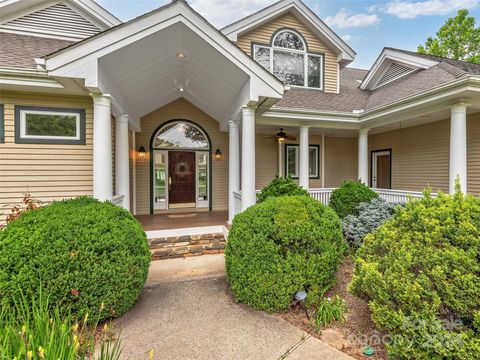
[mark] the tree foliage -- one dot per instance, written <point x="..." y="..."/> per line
<point x="457" y="39"/>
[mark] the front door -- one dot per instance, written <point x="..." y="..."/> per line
<point x="181" y="180"/>
<point x="381" y="169"/>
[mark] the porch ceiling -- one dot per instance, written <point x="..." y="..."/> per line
<point x="149" y="74"/>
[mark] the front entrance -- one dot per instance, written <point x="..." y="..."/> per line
<point x="382" y="169"/>
<point x="180" y="167"/>
<point x="181" y="179"/>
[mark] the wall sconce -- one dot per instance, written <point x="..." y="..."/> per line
<point x="141" y="153"/>
<point x="218" y="155"/>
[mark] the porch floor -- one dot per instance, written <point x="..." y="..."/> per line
<point x="182" y="220"/>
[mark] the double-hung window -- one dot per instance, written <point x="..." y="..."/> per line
<point x="41" y="125"/>
<point x="288" y="59"/>
<point x="292" y="156"/>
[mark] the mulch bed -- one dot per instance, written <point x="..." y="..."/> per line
<point x="356" y="332"/>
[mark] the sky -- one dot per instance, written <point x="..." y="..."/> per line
<point x="366" y="25"/>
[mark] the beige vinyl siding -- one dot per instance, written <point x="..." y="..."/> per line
<point x="46" y="171"/>
<point x="182" y="109"/>
<point x="263" y="35"/>
<point x="266" y="156"/>
<point x="420" y="155"/>
<point x="341" y="160"/>
<point x="473" y="154"/>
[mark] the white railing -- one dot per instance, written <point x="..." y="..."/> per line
<point x="237" y="201"/>
<point x="118" y="199"/>
<point x="322" y="195"/>
<point x="399" y="196"/>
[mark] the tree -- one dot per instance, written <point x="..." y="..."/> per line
<point x="457" y="39"/>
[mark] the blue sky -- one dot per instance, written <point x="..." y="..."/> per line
<point x="367" y="26"/>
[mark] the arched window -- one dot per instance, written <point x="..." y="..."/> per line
<point x="181" y="135"/>
<point x="288" y="58"/>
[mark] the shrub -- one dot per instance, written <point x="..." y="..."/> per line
<point x="370" y="216"/>
<point x="82" y="252"/>
<point x="345" y="199"/>
<point x="281" y="186"/>
<point x="36" y="331"/>
<point x="420" y="273"/>
<point x="282" y="246"/>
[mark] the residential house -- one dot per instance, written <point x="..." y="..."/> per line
<point x="165" y="112"/>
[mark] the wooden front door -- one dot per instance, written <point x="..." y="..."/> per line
<point x="181" y="172"/>
<point x="381" y="169"/>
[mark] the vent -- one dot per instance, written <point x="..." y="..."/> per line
<point x="393" y="72"/>
<point x="57" y="19"/>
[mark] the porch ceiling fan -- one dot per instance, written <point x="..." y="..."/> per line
<point x="281" y="136"/>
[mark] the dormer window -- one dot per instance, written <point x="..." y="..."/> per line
<point x="288" y="58"/>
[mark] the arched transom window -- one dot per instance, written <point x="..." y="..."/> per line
<point x="288" y="58"/>
<point x="181" y="135"/>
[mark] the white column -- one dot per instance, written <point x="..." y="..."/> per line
<point x="102" y="147"/>
<point x="363" y="156"/>
<point x="233" y="165"/>
<point x="458" y="146"/>
<point x="303" y="169"/>
<point x="122" y="171"/>
<point x="248" y="157"/>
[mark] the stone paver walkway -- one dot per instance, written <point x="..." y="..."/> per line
<point x="186" y="311"/>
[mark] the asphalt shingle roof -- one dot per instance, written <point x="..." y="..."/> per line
<point x="19" y="51"/>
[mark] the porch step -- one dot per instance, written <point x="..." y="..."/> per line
<point x="186" y="245"/>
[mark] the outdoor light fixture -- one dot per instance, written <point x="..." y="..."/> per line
<point x="181" y="55"/>
<point x="281" y="136"/>
<point x="218" y="155"/>
<point x="141" y="153"/>
<point x="181" y="89"/>
<point x="300" y="297"/>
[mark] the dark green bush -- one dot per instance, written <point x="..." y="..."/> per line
<point x="420" y="273"/>
<point x="281" y="186"/>
<point x="281" y="246"/>
<point x="89" y="257"/>
<point x="346" y="198"/>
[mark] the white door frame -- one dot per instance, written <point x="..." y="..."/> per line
<point x="375" y="154"/>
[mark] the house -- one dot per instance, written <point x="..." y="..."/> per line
<point x="165" y="112"/>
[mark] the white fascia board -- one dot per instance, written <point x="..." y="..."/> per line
<point x="99" y="13"/>
<point x="346" y="53"/>
<point x="28" y="78"/>
<point x="70" y="61"/>
<point x="385" y="58"/>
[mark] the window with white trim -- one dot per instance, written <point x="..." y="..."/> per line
<point x="292" y="155"/>
<point x="288" y="59"/>
<point x="49" y="125"/>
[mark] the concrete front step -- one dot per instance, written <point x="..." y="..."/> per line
<point x="186" y="245"/>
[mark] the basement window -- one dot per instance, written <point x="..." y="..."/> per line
<point x="40" y="125"/>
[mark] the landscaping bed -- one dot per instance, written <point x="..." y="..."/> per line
<point x="352" y="335"/>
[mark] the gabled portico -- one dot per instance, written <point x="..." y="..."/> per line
<point x="142" y="65"/>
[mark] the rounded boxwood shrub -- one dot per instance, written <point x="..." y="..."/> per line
<point x="281" y="246"/>
<point x="346" y="198"/>
<point x="281" y="186"/>
<point x="420" y="273"/>
<point x="370" y="216"/>
<point x="86" y="256"/>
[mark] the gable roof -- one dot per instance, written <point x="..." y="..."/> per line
<point x="67" y="19"/>
<point x="344" y="52"/>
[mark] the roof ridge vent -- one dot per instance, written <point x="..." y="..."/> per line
<point x="393" y="72"/>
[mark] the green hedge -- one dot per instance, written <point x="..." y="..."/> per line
<point x="81" y="252"/>
<point x="281" y="186"/>
<point x="281" y="246"/>
<point x="346" y="198"/>
<point x="420" y="273"/>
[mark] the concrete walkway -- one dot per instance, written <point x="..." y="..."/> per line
<point x="186" y="311"/>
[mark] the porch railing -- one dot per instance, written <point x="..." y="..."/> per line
<point x="118" y="199"/>
<point x="323" y="195"/>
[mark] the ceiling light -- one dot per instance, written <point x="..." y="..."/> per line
<point x="181" y="55"/>
<point x="181" y="89"/>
